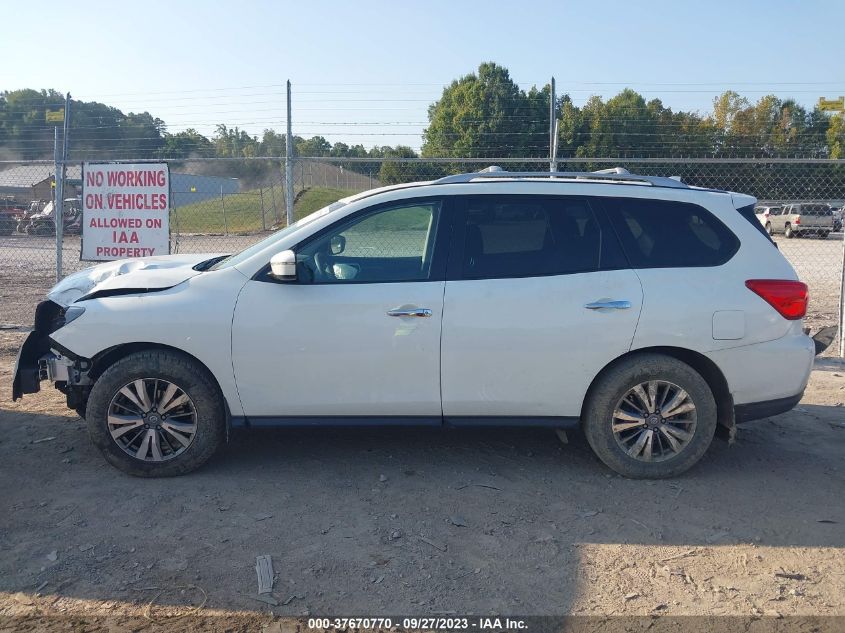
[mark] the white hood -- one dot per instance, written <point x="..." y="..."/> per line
<point x="147" y="273"/>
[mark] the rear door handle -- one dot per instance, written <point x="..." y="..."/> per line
<point x="612" y="305"/>
<point x="409" y="312"/>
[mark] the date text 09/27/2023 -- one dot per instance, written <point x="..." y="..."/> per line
<point x="452" y="623"/>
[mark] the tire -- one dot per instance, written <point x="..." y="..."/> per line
<point x="788" y="232"/>
<point x="769" y="228"/>
<point x="155" y="369"/>
<point x="615" y="384"/>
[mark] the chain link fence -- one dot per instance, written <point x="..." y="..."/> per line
<point x="224" y="205"/>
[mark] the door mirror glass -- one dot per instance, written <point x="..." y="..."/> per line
<point x="283" y="266"/>
<point x="338" y="244"/>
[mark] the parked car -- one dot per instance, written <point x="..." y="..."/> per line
<point x="10" y="213"/>
<point x="641" y="309"/>
<point x="804" y="219"/>
<point x="762" y="211"/>
<point x="838" y="217"/>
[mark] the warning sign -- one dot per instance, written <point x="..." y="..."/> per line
<point x="125" y="210"/>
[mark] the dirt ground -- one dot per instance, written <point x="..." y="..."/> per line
<point x="369" y="522"/>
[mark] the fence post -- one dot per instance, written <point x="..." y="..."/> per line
<point x="223" y="206"/>
<point x="842" y="301"/>
<point x="263" y="219"/>
<point x="57" y="201"/>
<point x="289" y="165"/>
<point x="552" y="128"/>
<point x="273" y="202"/>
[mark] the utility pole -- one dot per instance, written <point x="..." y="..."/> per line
<point x="289" y="165"/>
<point x="552" y="128"/>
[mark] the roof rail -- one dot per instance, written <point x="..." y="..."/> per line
<point x="617" y="175"/>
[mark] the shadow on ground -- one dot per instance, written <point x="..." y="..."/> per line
<point x="428" y="520"/>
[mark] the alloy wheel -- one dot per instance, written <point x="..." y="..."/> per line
<point x="654" y="421"/>
<point x="152" y="420"/>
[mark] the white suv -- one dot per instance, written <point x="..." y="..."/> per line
<point x="642" y="309"/>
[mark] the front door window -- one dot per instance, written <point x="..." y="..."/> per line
<point x="388" y="245"/>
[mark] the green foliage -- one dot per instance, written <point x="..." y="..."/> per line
<point x="314" y="146"/>
<point x="243" y="211"/>
<point x="187" y="144"/>
<point x="97" y="128"/>
<point x="482" y="114"/>
<point x="392" y="172"/>
<point x="316" y="198"/>
<point x="836" y="136"/>
<point x="487" y="115"/>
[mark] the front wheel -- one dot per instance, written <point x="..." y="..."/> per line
<point x="156" y="414"/>
<point x="650" y="417"/>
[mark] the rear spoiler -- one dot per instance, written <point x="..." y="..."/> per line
<point x="742" y="200"/>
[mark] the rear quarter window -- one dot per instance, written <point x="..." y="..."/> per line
<point x="668" y="234"/>
<point x="748" y="214"/>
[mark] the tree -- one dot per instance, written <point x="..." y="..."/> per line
<point x="187" y="144"/>
<point x="836" y="136"/>
<point x="272" y="144"/>
<point x="234" y="143"/>
<point x="23" y="131"/>
<point x="314" y="146"/>
<point x="393" y="172"/>
<point x="487" y="114"/>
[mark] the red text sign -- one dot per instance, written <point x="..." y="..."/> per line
<point x="125" y="210"/>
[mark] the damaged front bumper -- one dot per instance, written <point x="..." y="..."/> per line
<point x="40" y="358"/>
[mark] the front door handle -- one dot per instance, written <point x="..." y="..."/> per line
<point x="409" y="312"/>
<point x="613" y="305"/>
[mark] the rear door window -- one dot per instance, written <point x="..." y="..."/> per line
<point x="669" y="234"/>
<point x="523" y="236"/>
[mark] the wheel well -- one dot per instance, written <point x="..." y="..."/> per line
<point x="711" y="373"/>
<point x="110" y="356"/>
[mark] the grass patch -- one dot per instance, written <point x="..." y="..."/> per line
<point x="243" y="211"/>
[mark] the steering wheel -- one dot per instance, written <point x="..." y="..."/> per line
<point x="323" y="266"/>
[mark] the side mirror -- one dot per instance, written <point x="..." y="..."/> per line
<point x="337" y="244"/>
<point x="283" y="266"/>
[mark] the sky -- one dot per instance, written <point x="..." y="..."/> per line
<point x="365" y="71"/>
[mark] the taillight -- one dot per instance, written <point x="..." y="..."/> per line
<point x="789" y="298"/>
<point x="797" y="220"/>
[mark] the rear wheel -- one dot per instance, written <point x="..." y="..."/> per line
<point x="788" y="232"/>
<point x="769" y="228"/>
<point x="156" y="414"/>
<point x="650" y="416"/>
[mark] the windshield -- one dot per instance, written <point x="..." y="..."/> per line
<point x="234" y="260"/>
